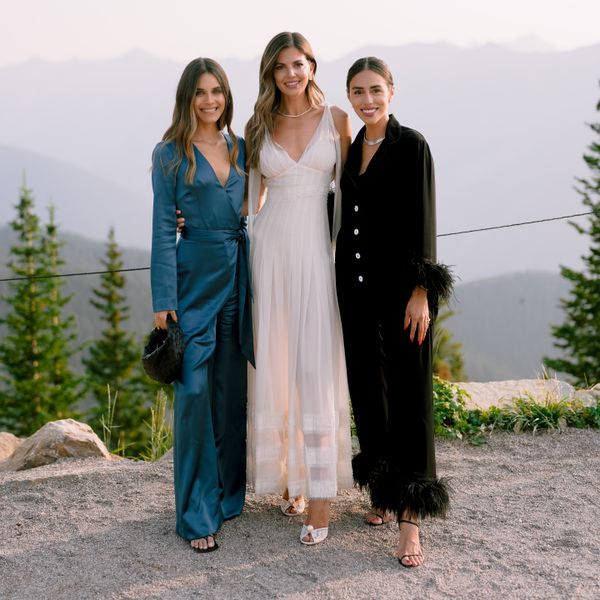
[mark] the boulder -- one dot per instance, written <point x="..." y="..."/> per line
<point x="58" y="439"/>
<point x="8" y="444"/>
<point x="503" y="393"/>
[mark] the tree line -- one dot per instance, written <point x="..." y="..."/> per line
<point x="37" y="383"/>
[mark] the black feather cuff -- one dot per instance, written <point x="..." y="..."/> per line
<point x="436" y="278"/>
<point x="391" y="489"/>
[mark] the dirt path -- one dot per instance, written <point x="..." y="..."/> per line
<point x="524" y="524"/>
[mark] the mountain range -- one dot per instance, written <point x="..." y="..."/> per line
<point x="507" y="130"/>
<point x="504" y="324"/>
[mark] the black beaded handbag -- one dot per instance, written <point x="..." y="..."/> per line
<point x="163" y="353"/>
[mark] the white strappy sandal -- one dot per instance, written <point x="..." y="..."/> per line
<point x="318" y="535"/>
<point x="297" y="505"/>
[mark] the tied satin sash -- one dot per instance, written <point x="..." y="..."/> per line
<point x="240" y="235"/>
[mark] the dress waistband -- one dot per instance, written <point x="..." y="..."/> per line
<point x="240" y="236"/>
<point x="216" y="235"/>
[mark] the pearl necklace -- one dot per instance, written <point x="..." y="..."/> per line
<point x="373" y="142"/>
<point x="295" y="116"/>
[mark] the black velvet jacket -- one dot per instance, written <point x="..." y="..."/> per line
<point x="387" y="239"/>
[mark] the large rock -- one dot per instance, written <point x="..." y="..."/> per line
<point x="504" y="393"/>
<point x="57" y="439"/>
<point x="8" y="444"/>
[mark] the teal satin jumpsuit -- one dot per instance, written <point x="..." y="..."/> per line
<point x="204" y="278"/>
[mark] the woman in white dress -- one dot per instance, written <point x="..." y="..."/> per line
<point x="298" y="430"/>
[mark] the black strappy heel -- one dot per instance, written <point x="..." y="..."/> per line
<point x="401" y="558"/>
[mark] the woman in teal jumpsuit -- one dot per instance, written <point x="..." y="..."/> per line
<point x="202" y="281"/>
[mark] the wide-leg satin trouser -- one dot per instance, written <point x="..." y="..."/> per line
<point x="211" y="396"/>
<point x="210" y="425"/>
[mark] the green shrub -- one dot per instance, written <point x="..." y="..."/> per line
<point x="161" y="427"/>
<point x="453" y="420"/>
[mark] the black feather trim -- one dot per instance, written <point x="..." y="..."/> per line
<point x="362" y="468"/>
<point x="436" y="278"/>
<point x="391" y="489"/>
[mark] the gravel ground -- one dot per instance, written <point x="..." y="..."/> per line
<point x="524" y="524"/>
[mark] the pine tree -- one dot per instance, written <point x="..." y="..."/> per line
<point x="114" y="359"/>
<point x="31" y="352"/>
<point x="579" y="335"/>
<point x="64" y="385"/>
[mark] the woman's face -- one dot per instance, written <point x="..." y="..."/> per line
<point x="292" y="72"/>
<point x="370" y="95"/>
<point x="209" y="101"/>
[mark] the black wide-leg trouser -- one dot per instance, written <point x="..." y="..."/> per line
<point x="390" y="382"/>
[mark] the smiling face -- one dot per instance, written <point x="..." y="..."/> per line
<point x="292" y="72"/>
<point x="209" y="101"/>
<point x="370" y="95"/>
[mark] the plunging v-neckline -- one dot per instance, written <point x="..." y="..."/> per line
<point x="223" y="185"/>
<point x="310" y="141"/>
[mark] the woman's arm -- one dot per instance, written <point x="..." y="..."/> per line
<point x="163" y="265"/>
<point x="427" y="273"/>
<point x="433" y="281"/>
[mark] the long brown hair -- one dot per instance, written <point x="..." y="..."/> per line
<point x="369" y="63"/>
<point x="184" y="124"/>
<point x="269" y="97"/>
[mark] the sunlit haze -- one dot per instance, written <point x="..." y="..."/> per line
<point x="180" y="29"/>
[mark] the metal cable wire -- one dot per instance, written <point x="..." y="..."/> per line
<point x="509" y="225"/>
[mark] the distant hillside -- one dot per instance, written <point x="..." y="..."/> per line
<point x="84" y="202"/>
<point x="502" y="322"/>
<point x="507" y="130"/>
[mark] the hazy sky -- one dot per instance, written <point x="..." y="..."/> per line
<point x="181" y="29"/>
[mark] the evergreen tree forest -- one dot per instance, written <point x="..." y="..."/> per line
<point x="37" y="380"/>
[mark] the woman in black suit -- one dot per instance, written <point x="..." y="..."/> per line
<point x="386" y="244"/>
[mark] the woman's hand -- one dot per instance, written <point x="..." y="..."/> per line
<point x="417" y="314"/>
<point x="160" y="318"/>
<point x="180" y="222"/>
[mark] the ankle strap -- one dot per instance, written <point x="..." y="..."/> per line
<point x="407" y="521"/>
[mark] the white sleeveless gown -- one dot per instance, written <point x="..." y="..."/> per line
<point x="298" y="413"/>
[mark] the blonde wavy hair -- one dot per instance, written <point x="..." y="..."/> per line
<point x="185" y="122"/>
<point x="269" y="97"/>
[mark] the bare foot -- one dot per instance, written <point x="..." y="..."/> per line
<point x="378" y="517"/>
<point x="318" y="516"/>
<point x="204" y="544"/>
<point x="409" y="546"/>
